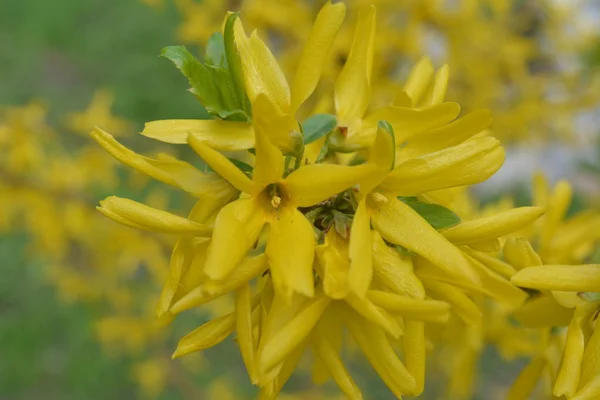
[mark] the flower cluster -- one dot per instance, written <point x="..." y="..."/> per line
<point x="336" y="226"/>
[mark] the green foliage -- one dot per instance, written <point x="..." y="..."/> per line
<point x="437" y="215"/>
<point x="317" y="126"/>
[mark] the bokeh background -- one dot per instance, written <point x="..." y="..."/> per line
<point x="77" y="291"/>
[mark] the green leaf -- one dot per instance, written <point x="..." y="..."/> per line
<point x="342" y="223"/>
<point x="200" y="77"/>
<point x="593" y="297"/>
<point x="234" y="64"/>
<point x="436" y="215"/>
<point x="246" y="168"/>
<point x="214" y="53"/>
<point x="318" y="126"/>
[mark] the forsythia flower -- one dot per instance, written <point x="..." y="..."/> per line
<point x="330" y="224"/>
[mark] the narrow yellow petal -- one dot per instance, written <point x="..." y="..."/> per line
<point x="589" y="391"/>
<point x="494" y="264"/>
<point x="590" y="366"/>
<point x="577" y="278"/>
<point x="410" y="123"/>
<point x="315" y="52"/>
<point x="250" y="268"/>
<point x="395" y="272"/>
<point x="413" y="344"/>
<point x="208" y="335"/>
<point x="488" y="246"/>
<point x="283" y="342"/>
<point x="543" y="311"/>
<point x="290" y="251"/>
<point x="492" y="227"/>
<point x="527" y="380"/>
<point x="360" y="249"/>
<point x="381" y="355"/>
<point x="272" y="389"/>
<point x="282" y="129"/>
<point x="220" y="135"/>
<point x="399" y="224"/>
<point x="371" y="312"/>
<point x="464" y="307"/>
<point x="569" y="374"/>
<point x="312" y="184"/>
<point x="558" y="204"/>
<point x="331" y="359"/>
<point x="244" y="328"/>
<point x="268" y="167"/>
<point x="452" y="134"/>
<point x="141" y="216"/>
<point x="333" y="265"/>
<point x="262" y="73"/>
<point x="519" y="253"/>
<point x="419" y="80"/>
<point x="353" y="86"/>
<point x="468" y="163"/>
<point x="237" y="228"/>
<point x="416" y="309"/>
<point x="437" y="92"/>
<point x="222" y="166"/>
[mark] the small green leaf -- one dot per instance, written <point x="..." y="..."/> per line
<point x="342" y="223"/>
<point x="214" y="54"/>
<point x="436" y="215"/>
<point x="593" y="297"/>
<point x="318" y="126"/>
<point x="234" y="63"/>
<point x="199" y="76"/>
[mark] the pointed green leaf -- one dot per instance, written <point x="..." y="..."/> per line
<point x="318" y="126"/>
<point x="437" y="215"/>
<point x="234" y="64"/>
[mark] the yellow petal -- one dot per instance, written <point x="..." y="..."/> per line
<point x="220" y="135"/>
<point x="416" y="309"/>
<point x="394" y="271"/>
<point x="250" y="268"/>
<point x="413" y="344"/>
<point x="282" y="129"/>
<point x="527" y="380"/>
<point x="237" y="228"/>
<point x="399" y="224"/>
<point x="283" y="342"/>
<point x="371" y="312"/>
<point x="437" y="92"/>
<point x="492" y="227"/>
<point x="361" y="258"/>
<point x="496" y="265"/>
<point x="244" y="328"/>
<point x="419" y="79"/>
<point x="411" y="122"/>
<point x="268" y="167"/>
<point x="165" y="170"/>
<point x="222" y="166"/>
<point x="543" y="311"/>
<point x="452" y="134"/>
<point x="569" y="374"/>
<point x="333" y="265"/>
<point x="577" y="278"/>
<point x="140" y="216"/>
<point x="208" y="335"/>
<point x="353" y="86"/>
<point x="331" y="359"/>
<point x="590" y="391"/>
<point x="381" y="355"/>
<point x="186" y="251"/>
<point x="262" y="73"/>
<point x="311" y="184"/>
<point x="519" y="253"/>
<point x="558" y="204"/>
<point x="590" y="366"/>
<point x="314" y="55"/>
<point x="272" y="389"/>
<point x="290" y="251"/>
<point x="488" y="246"/>
<point x="471" y="162"/>
<point x="464" y="307"/>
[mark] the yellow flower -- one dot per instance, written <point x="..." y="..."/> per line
<point x="97" y="113"/>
